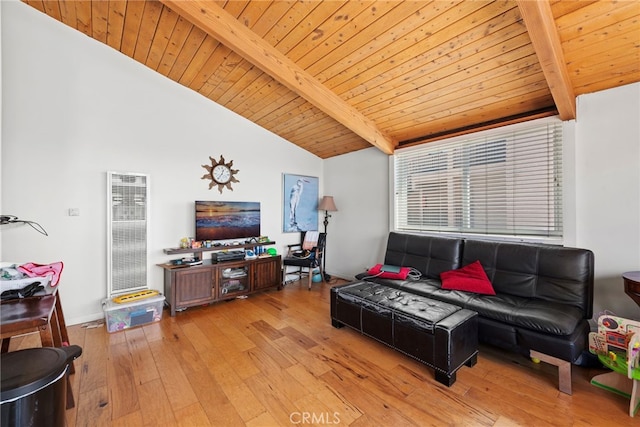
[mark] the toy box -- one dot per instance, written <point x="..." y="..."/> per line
<point x="127" y="315"/>
<point x="617" y="344"/>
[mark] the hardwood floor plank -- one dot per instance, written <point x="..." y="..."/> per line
<point x="154" y="404"/>
<point x="152" y="332"/>
<point x="367" y="402"/>
<point x="298" y="337"/>
<point x="21" y="342"/>
<point x="123" y="397"/>
<point x="303" y="375"/>
<point x="455" y="409"/>
<point x="94" y="360"/>
<point x="339" y="405"/>
<point x="314" y="411"/>
<point x="144" y="367"/>
<point x="223" y="348"/>
<point x="311" y="361"/>
<point x="93" y="407"/>
<point x="264" y="419"/>
<point x="213" y="400"/>
<point x="130" y="420"/>
<point x="267" y="330"/>
<point x="231" y="326"/>
<point x="408" y="376"/>
<point x="351" y="361"/>
<point x="374" y="351"/>
<point x="76" y="337"/>
<point x="273" y="306"/>
<point x="281" y="358"/>
<point x="174" y="381"/>
<point x="260" y="311"/>
<point x="239" y="394"/>
<point x="262" y="361"/>
<point x="273" y="399"/>
<point x="505" y="422"/>
<point x="192" y="415"/>
<point x="420" y="415"/>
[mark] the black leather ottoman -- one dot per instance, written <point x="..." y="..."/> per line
<point x="442" y="336"/>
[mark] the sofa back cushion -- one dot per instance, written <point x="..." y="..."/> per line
<point x="427" y="254"/>
<point x="552" y="273"/>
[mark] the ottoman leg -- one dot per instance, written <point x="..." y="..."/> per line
<point x="446" y="379"/>
<point x="456" y="344"/>
<point x="336" y="324"/>
<point x="472" y="361"/>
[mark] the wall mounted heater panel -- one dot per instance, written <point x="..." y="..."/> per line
<point x="128" y="228"/>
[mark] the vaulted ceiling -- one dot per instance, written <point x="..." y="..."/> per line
<point x="338" y="76"/>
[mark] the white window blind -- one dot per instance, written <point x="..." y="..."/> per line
<point x="505" y="184"/>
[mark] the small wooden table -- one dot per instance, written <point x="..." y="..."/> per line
<point x="24" y="315"/>
<point x="41" y="314"/>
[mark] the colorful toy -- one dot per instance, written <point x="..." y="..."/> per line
<point x="617" y="345"/>
<point x="135" y="296"/>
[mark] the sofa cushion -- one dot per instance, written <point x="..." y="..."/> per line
<point x="545" y="272"/>
<point x="428" y="254"/>
<point x="532" y="314"/>
<point x="470" y="278"/>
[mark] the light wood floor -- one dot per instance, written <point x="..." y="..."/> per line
<point x="274" y="359"/>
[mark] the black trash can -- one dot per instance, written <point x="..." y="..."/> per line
<point x="34" y="387"/>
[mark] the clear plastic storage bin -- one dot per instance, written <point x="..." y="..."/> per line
<point x="127" y="315"/>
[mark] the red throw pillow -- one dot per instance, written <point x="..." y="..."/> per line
<point x="470" y="278"/>
<point x="377" y="271"/>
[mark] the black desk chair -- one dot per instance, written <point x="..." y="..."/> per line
<point x="302" y="258"/>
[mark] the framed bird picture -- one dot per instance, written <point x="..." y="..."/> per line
<point x="299" y="203"/>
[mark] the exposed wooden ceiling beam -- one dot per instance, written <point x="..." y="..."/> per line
<point x="541" y="27"/>
<point x="220" y="25"/>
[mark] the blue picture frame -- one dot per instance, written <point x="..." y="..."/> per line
<point x="299" y="203"/>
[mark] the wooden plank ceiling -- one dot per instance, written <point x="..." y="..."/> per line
<point x="338" y="76"/>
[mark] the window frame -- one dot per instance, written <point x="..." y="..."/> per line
<point x="489" y="136"/>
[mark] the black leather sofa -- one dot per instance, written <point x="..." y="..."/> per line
<point x="544" y="293"/>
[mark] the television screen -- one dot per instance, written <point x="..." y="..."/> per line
<point x="227" y="220"/>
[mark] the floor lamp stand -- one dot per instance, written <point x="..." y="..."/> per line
<point x="326" y="277"/>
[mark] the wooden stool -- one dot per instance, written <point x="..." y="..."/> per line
<point x="41" y="314"/>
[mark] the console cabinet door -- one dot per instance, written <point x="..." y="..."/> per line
<point x="194" y="286"/>
<point x="266" y="273"/>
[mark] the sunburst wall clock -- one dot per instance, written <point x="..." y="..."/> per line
<point x="220" y="174"/>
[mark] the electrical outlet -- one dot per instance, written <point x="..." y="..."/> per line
<point x="74" y="211"/>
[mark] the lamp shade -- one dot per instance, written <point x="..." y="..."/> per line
<point x="327" y="204"/>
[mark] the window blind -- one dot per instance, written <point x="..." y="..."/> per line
<point x="508" y="183"/>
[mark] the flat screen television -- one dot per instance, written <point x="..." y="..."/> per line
<point x="227" y="220"/>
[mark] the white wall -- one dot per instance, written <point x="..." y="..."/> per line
<point x="73" y="110"/>
<point x="357" y="233"/>
<point x="608" y="191"/>
<point x="602" y="197"/>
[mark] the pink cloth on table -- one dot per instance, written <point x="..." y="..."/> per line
<point x="38" y="270"/>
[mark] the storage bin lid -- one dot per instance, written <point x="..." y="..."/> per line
<point x="26" y="371"/>
<point x="109" y="305"/>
